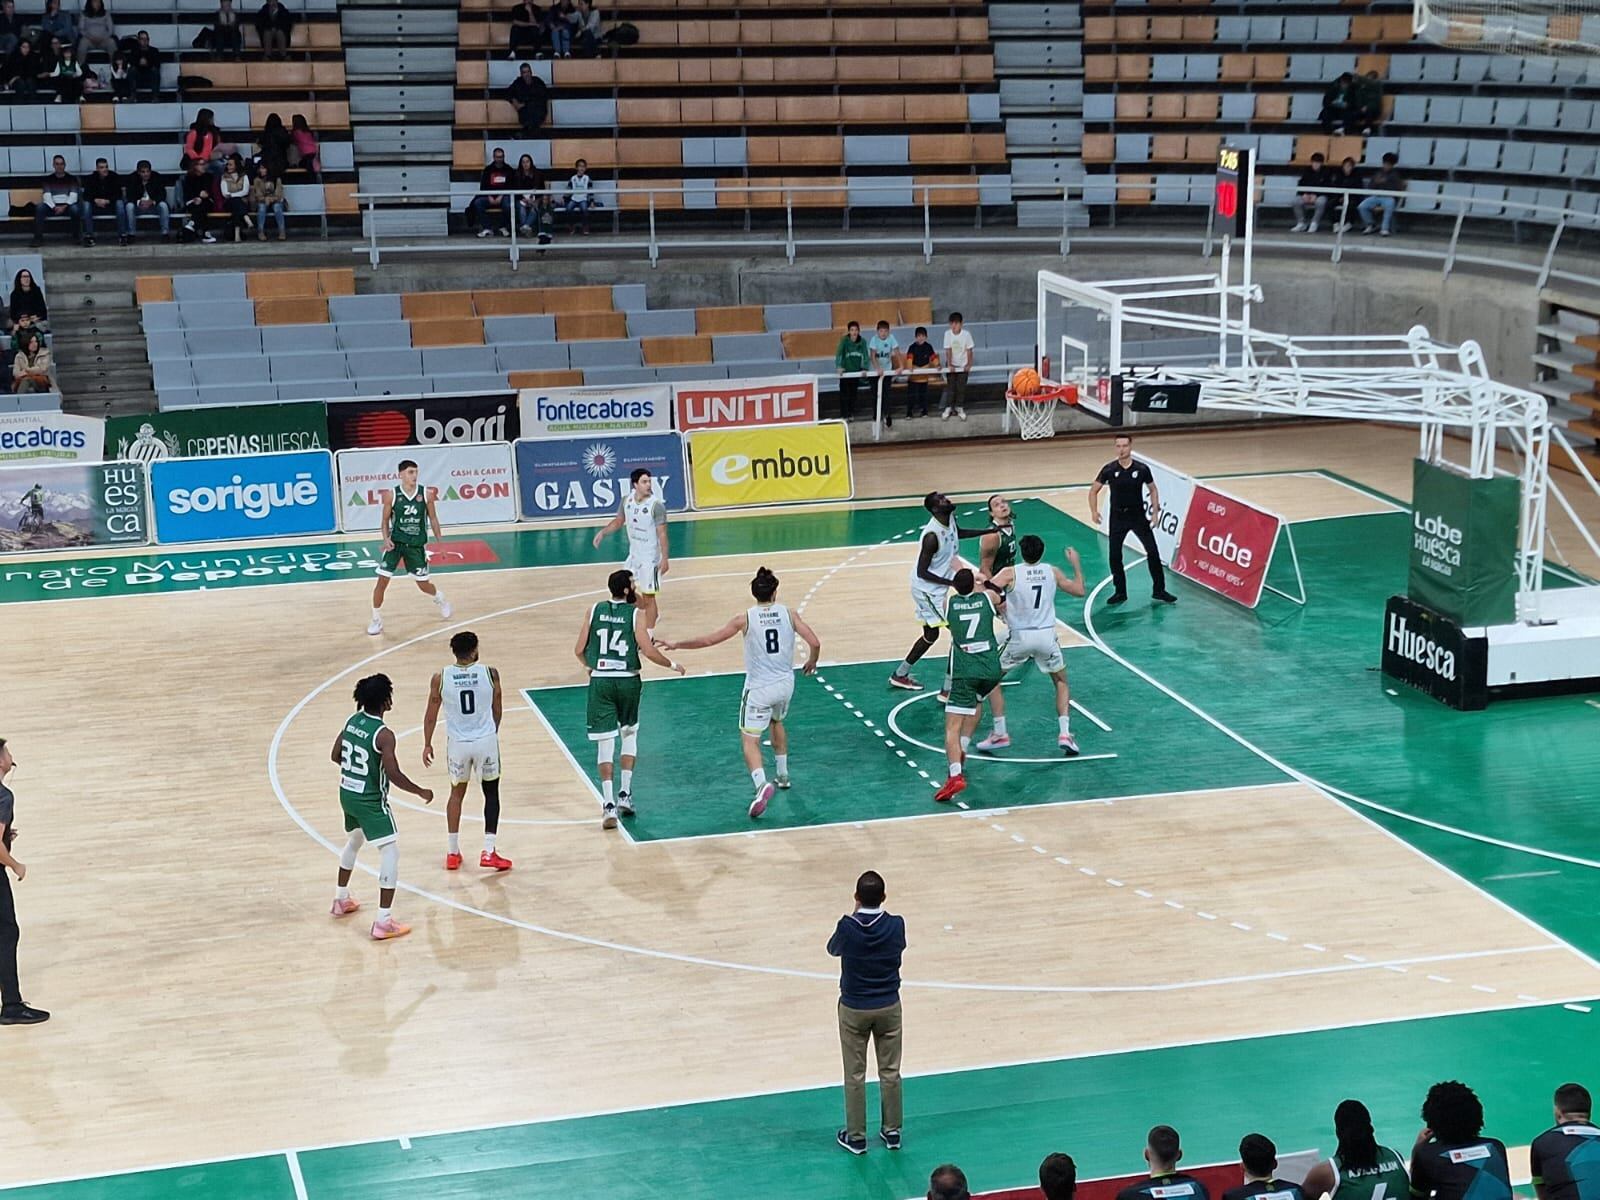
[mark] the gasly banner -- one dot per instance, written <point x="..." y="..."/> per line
<point x="1464" y="545"/>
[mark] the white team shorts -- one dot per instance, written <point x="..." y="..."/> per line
<point x="646" y="574"/>
<point x="930" y="607"/>
<point x="1038" y="646"/>
<point x="481" y="755"/>
<point x="760" y="707"/>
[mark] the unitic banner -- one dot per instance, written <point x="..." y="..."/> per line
<point x="586" y="477"/>
<point x="1226" y="545"/>
<point x="49" y="506"/>
<point x="1176" y="490"/>
<point x="1464" y="544"/>
<point x="784" y="464"/>
<point x="235" y="429"/>
<point x="242" y="496"/>
<point x="51" y="437"/>
<point x="471" y="483"/>
<point x="782" y="400"/>
<point x="424" y="420"/>
<point x="581" y="411"/>
<point x="1430" y="652"/>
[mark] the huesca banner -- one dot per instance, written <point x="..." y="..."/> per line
<point x="778" y="464"/>
<point x="1464" y="545"/>
<point x="218" y="432"/>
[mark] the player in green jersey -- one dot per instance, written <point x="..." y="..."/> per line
<point x="610" y="642"/>
<point x="408" y="510"/>
<point x="364" y="751"/>
<point x="974" y="673"/>
<point x="997" y="550"/>
<point x="1360" y="1168"/>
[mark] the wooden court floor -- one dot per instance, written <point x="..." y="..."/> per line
<point x="177" y="811"/>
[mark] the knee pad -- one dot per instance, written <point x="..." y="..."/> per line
<point x="389" y="866"/>
<point x="352" y="847"/>
<point x="630" y="741"/>
<point x="605" y="750"/>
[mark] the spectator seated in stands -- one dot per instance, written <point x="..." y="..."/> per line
<point x="1310" y="202"/>
<point x="851" y="360"/>
<point x="580" y="195"/>
<point x="304" y="152"/>
<point x="533" y="200"/>
<point x="55" y="23"/>
<point x="67" y="77"/>
<point x="102" y="197"/>
<point x="1375" y="208"/>
<point x="585" y="28"/>
<point x="22" y="70"/>
<point x="1451" y="1158"/>
<point x="1058" y="1177"/>
<point x="144" y="195"/>
<point x="233" y="188"/>
<point x="12" y="27"/>
<point x="1338" y="104"/>
<point x="558" y="27"/>
<point x="121" y="78"/>
<point x="227" y="35"/>
<point x="494" y="212"/>
<point x="199" y="202"/>
<point x="61" y="200"/>
<point x="204" y="143"/>
<point x="948" y="1183"/>
<point x="920" y="356"/>
<point x="530" y="96"/>
<point x="272" y="146"/>
<point x="28" y="309"/>
<point x="144" y="64"/>
<point x="96" y="31"/>
<point x="527" y="30"/>
<point x="266" y="194"/>
<point x="1367" y="107"/>
<point x="30" y="370"/>
<point x="274" y="25"/>
<point x="1349" y="179"/>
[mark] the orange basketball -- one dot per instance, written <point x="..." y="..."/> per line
<point x="1026" y="382"/>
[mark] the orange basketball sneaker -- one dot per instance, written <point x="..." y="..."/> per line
<point x="952" y="788"/>
<point x="452" y="861"/>
<point x="490" y="858"/>
<point x="388" y="928"/>
<point x="343" y="908"/>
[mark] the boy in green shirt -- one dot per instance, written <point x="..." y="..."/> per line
<point x="408" y="510"/>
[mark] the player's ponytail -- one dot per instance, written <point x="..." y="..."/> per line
<point x="764" y="586"/>
<point x="1358" y="1147"/>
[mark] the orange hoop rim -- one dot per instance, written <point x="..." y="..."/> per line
<point x="1067" y="392"/>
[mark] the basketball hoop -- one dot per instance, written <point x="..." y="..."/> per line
<point x="1036" y="411"/>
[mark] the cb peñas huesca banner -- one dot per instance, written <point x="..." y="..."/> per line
<point x="218" y="432"/>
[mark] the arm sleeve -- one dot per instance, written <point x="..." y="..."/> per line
<point x="660" y="514"/>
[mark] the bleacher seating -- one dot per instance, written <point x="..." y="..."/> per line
<point x="234" y="337"/>
<point x="734" y="105"/>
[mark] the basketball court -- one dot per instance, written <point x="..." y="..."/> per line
<point x="1270" y="871"/>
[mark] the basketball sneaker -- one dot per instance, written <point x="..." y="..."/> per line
<point x="891" y="1138"/>
<point x="1116" y="598"/>
<point x="376" y="627"/>
<point x="608" y="816"/>
<point x="452" y="862"/>
<point x="995" y="741"/>
<point x="382" y="931"/>
<point x="952" y="788"/>
<point x="1068" y="744"/>
<point x="1164" y="597"/>
<point x="783" y="783"/>
<point x="763" y="794"/>
<point x="856" y="1145"/>
<point x="490" y="859"/>
<point x="905" y="681"/>
<point x="343" y="908"/>
<point x="624" y="804"/>
<point x="444" y="608"/>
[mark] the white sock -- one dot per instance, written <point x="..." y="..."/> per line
<point x="999" y="727"/>
<point x="955" y="769"/>
<point x="782" y="763"/>
<point x="377" y="614"/>
<point x="341" y="893"/>
<point x="966" y="743"/>
<point x="627" y="783"/>
<point x="759" y="777"/>
<point x="605" y="789"/>
<point x="384" y="914"/>
<point x="455" y="843"/>
<point x="488" y="843"/>
<point x="1065" y="721"/>
<point x="438" y="599"/>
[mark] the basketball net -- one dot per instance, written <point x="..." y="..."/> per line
<point x="1036" y="412"/>
<point x="1527" y="27"/>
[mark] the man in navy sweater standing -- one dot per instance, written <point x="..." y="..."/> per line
<point x="868" y="944"/>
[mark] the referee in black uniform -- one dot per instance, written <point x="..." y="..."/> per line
<point x="12" y="1010"/>
<point x="1127" y="478"/>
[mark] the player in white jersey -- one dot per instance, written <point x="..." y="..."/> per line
<point x="1030" y="614"/>
<point x="769" y="630"/>
<point x="469" y="693"/>
<point x="932" y="576"/>
<point x="644" y="515"/>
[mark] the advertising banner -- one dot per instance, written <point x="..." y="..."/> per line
<point x="424" y="420"/>
<point x="1153" y="396"/>
<point x="1226" y="545"/>
<point x="51" y="437"/>
<point x="242" y="496"/>
<point x="205" y="432"/>
<point x="585" y="477"/>
<point x="1464" y="544"/>
<point x="784" y="464"/>
<point x="1176" y="490"/>
<point x="471" y="483"/>
<point x="48" y="506"/>
<point x="1429" y="651"/>
<point x="581" y="411"/>
<point x="733" y="403"/>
